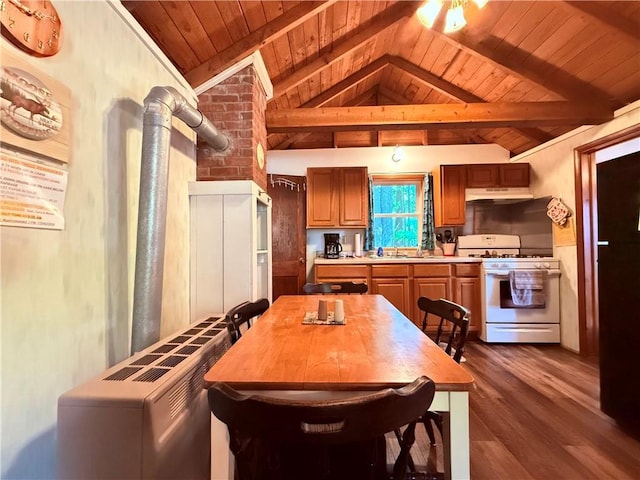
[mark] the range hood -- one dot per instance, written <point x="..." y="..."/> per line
<point x="498" y="194"/>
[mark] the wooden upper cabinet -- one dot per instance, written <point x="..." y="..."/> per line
<point x="448" y="195"/>
<point x="337" y="197"/>
<point x="514" y="175"/>
<point x="498" y="175"/>
<point x="354" y="197"/>
<point x="321" y="198"/>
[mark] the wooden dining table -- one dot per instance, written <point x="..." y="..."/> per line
<point x="377" y="347"/>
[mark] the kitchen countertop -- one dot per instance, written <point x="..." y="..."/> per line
<point x="388" y="259"/>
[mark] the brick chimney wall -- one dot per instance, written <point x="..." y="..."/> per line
<point x="236" y="107"/>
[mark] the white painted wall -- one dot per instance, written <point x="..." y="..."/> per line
<point x="378" y="159"/>
<point x="552" y="168"/>
<point x="67" y="295"/>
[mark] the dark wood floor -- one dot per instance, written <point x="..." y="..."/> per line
<point x="534" y="414"/>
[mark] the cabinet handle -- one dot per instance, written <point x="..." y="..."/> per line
<point x="301" y="260"/>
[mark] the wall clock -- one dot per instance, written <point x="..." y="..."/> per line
<point x="260" y="156"/>
<point x="34" y="26"/>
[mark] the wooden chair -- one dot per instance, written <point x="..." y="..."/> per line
<point x="451" y="335"/>
<point x="335" y="287"/>
<point x="287" y="439"/>
<point x="243" y="314"/>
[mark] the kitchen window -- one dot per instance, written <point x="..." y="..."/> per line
<point x="397" y="210"/>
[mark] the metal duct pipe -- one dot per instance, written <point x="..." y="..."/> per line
<point x="160" y="105"/>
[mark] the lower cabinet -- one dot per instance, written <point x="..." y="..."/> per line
<point x="342" y="273"/>
<point x="403" y="284"/>
<point x="432" y="281"/>
<point x="468" y="292"/>
<point x="392" y="282"/>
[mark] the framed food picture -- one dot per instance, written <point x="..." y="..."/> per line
<point x="34" y="109"/>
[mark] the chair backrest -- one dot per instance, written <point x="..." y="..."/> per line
<point x="335" y="287"/>
<point x="312" y="427"/>
<point x="243" y="314"/>
<point x="455" y="316"/>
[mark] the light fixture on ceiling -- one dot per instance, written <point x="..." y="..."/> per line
<point x="397" y="154"/>
<point x="454" y="21"/>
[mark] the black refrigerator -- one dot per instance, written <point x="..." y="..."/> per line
<point x="618" y="183"/>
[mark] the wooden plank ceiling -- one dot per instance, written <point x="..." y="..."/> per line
<point x="368" y="73"/>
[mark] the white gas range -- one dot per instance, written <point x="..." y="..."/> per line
<point x="508" y="316"/>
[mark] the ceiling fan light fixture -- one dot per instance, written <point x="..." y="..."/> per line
<point x="455" y="18"/>
<point x="428" y="12"/>
<point x="480" y="3"/>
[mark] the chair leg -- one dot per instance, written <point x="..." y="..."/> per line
<point x="404" y="457"/>
<point x="429" y="429"/>
<point x="410" y="463"/>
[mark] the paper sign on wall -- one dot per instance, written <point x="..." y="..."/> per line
<point x="32" y="192"/>
<point x="564" y="235"/>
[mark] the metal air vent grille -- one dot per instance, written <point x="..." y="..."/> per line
<point x="123" y="373"/>
<point x="210" y="334"/>
<point x="151" y="375"/>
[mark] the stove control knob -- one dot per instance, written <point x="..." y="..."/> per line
<point x="546" y="265"/>
<point x="504" y="265"/>
<point x="537" y="265"/>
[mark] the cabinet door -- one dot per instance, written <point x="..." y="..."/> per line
<point x="449" y="195"/>
<point x="354" y="197"/>
<point x="467" y="294"/>
<point x="396" y="290"/>
<point x="341" y="273"/>
<point x="321" y="198"/>
<point x="482" y="176"/>
<point x="514" y="175"/>
<point x="498" y="175"/>
<point x="433" y="288"/>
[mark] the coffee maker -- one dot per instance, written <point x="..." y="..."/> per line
<point x="332" y="247"/>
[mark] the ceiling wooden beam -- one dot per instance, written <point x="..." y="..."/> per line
<point x="359" y="100"/>
<point x="457" y="93"/>
<point x="465" y="115"/>
<point x="379" y="23"/>
<point x="399" y="99"/>
<point x="569" y="88"/>
<point x="606" y="17"/>
<point x="256" y="40"/>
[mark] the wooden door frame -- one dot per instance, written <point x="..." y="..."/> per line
<point x="587" y="235"/>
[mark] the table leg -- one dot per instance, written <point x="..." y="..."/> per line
<point x="458" y="433"/>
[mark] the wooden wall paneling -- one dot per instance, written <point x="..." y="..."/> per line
<point x="629" y="79"/>
<point x="254" y="14"/>
<point x="284" y="56"/>
<point x="325" y="29"/>
<point x="208" y="15"/>
<point x="505" y="21"/>
<point x="231" y="14"/>
<point x="297" y="37"/>
<point x="520" y="33"/>
<point x="618" y="63"/>
<point x="607" y="18"/>
<point x="166" y="34"/>
<point x="188" y="24"/>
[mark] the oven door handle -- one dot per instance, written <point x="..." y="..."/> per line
<point x="505" y="273"/>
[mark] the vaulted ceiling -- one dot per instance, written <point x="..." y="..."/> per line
<point x="368" y="73"/>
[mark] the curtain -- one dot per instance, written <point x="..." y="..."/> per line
<point x="368" y="235"/>
<point x="428" y="226"/>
